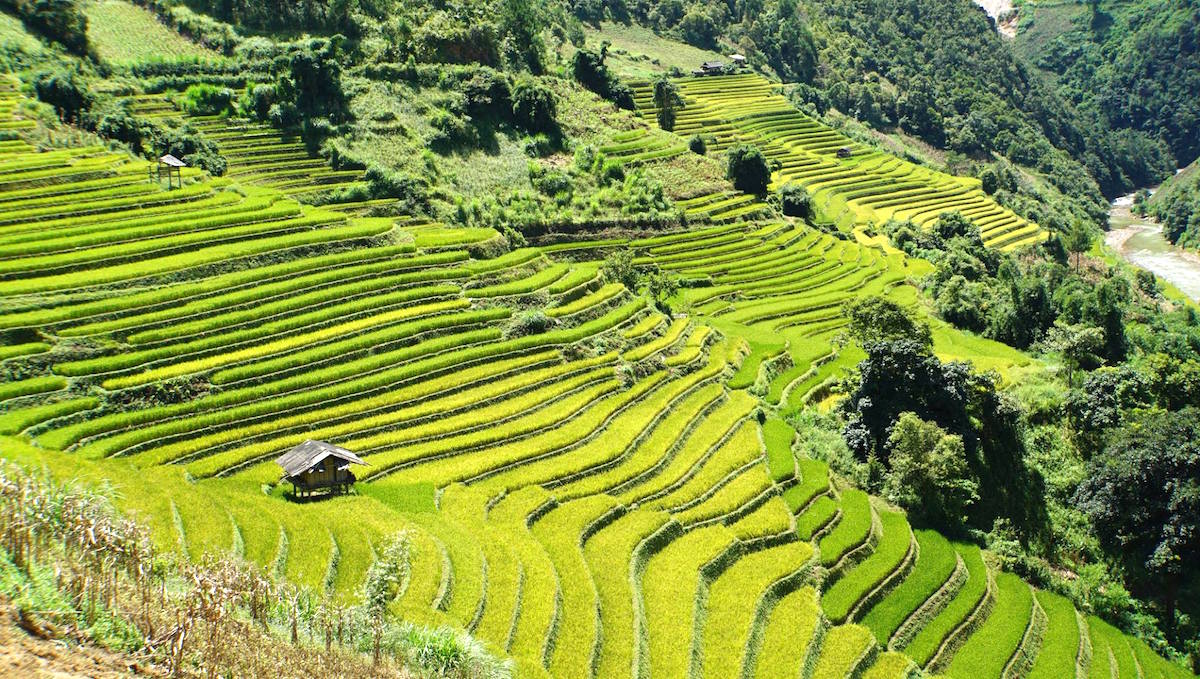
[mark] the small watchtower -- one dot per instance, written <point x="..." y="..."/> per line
<point x="172" y="167"/>
<point x="317" y="467"/>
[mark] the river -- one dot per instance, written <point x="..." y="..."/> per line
<point x="1140" y="242"/>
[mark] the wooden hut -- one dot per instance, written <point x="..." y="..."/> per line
<point x="738" y="60"/>
<point x="172" y="168"/>
<point x="712" y="68"/>
<point x="317" y="467"/>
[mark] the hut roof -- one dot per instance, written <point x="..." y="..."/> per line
<point x="709" y="65"/>
<point x="172" y="161"/>
<point x="737" y="57"/>
<point x="311" y="453"/>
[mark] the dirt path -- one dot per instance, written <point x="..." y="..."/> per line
<point x="25" y="655"/>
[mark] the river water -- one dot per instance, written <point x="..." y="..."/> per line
<point x="1141" y="242"/>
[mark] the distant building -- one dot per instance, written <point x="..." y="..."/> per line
<point x="318" y="467"/>
<point x="172" y="168"/>
<point x="712" y="68"/>
<point x="738" y="60"/>
<point x="844" y="152"/>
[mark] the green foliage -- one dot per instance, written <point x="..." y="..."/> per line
<point x="928" y="473"/>
<point x="1176" y="205"/>
<point x="66" y="91"/>
<point x="697" y="145"/>
<point x="667" y="101"/>
<point x="904" y="376"/>
<point x="878" y="319"/>
<point x="795" y="201"/>
<point x="1132" y="67"/>
<point x="747" y="168"/>
<point x="589" y="70"/>
<point x="1140" y="496"/>
<point x="209" y="100"/>
<point x="618" y="268"/>
<point x="535" y="108"/>
<point x="62" y="21"/>
<point x="1078" y="240"/>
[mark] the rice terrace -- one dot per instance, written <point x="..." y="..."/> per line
<point x="535" y="338"/>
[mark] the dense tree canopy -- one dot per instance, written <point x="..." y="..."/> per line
<point x="747" y="167"/>
<point x="1143" y="497"/>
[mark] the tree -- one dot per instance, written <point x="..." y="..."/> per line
<point x="534" y="108"/>
<point x="697" y="145"/>
<point x="877" y="319"/>
<point x="667" y="101"/>
<point x="662" y="287"/>
<point x="697" y="29"/>
<point x="795" y="201"/>
<point x="1078" y="240"/>
<point x="589" y="69"/>
<point x="1142" y="495"/>
<point x="384" y="579"/>
<point x="748" y="169"/>
<point x="618" y="268"/>
<point x="929" y="475"/>
<point x="521" y="23"/>
<point x="66" y="91"/>
<point x="1077" y="344"/>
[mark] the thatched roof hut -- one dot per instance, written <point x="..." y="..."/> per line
<point x="318" y="467"/>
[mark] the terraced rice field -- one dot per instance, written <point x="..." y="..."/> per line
<point x="852" y="184"/>
<point x="595" y="499"/>
<point x="258" y="154"/>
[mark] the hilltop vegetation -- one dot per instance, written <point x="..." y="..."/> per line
<point x="654" y="374"/>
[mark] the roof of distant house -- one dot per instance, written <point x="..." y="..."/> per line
<point x="311" y="453"/>
<point x="172" y="161"/>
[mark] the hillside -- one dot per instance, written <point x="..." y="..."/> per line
<point x="1176" y="205"/>
<point x="652" y="376"/>
<point x="1130" y="66"/>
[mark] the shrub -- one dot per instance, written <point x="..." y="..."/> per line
<point x="488" y="96"/>
<point x="795" y="201"/>
<point x="66" y="91"/>
<point x="451" y="131"/>
<point x="550" y="182"/>
<point x="256" y="101"/>
<point x="534" y="108"/>
<point x="384" y="183"/>
<point x="191" y="147"/>
<point x="696" y="145"/>
<point x="117" y="123"/>
<point x="207" y="100"/>
<point x="531" y="322"/>
<point x="747" y="167"/>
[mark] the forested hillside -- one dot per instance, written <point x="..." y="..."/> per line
<point x="519" y="338"/>
<point x="1133" y="67"/>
